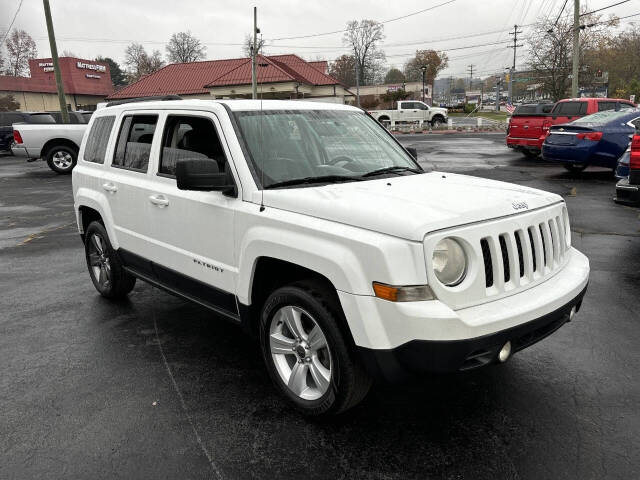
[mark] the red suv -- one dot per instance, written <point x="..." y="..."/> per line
<point x="528" y="129"/>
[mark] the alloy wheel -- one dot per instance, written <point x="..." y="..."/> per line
<point x="300" y="352"/>
<point x="63" y="160"/>
<point x="99" y="261"/>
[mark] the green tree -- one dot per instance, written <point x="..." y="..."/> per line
<point x="394" y="76"/>
<point x="8" y="103"/>
<point x="434" y="61"/>
<point x="118" y="78"/>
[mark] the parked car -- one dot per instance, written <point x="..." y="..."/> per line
<point x="57" y="144"/>
<point x="411" y="111"/>
<point x="628" y="188"/>
<point x="595" y="140"/>
<point x="311" y="226"/>
<point x="622" y="170"/>
<point x="525" y="131"/>
<point x="563" y="111"/>
<point x="7" y="119"/>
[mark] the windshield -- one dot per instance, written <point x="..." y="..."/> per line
<point x="601" y="118"/>
<point x="291" y="145"/>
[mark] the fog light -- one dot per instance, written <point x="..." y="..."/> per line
<point x="505" y="352"/>
<point x="572" y="313"/>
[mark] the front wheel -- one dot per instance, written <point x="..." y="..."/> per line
<point x="105" y="268"/>
<point x="306" y="354"/>
<point x="437" y="121"/>
<point x="574" y="167"/>
<point x="61" y="159"/>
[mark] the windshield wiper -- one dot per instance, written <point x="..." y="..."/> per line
<point x="320" y="179"/>
<point x="394" y="169"/>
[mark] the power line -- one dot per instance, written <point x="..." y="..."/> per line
<point x="6" y="34"/>
<point x="560" y="14"/>
<point x="384" y="21"/>
<point x="604" y="8"/>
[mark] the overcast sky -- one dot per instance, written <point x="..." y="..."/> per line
<point x="89" y="28"/>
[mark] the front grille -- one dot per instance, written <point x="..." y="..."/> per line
<point x="512" y="259"/>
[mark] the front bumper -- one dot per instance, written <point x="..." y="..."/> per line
<point x="627" y="193"/>
<point x="426" y="356"/>
<point x="388" y="333"/>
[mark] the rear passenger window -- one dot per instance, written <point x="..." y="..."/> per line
<point x="603" y="106"/>
<point x="134" y="142"/>
<point x="571" y="108"/>
<point x="96" y="147"/>
<point x="189" y="138"/>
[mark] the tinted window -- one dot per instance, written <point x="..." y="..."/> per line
<point x="7" y="118"/>
<point x="570" y="108"/>
<point x="189" y="137"/>
<point x="41" y="118"/>
<point x="636" y="123"/>
<point x="547" y="108"/>
<point x="96" y="146"/>
<point x="603" y="106"/>
<point x="525" y="110"/>
<point x="86" y="116"/>
<point x="408" y="105"/>
<point x="134" y="142"/>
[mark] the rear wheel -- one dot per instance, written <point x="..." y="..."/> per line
<point x="306" y="353"/>
<point x="574" y="167"/>
<point x="105" y="268"/>
<point x="61" y="158"/>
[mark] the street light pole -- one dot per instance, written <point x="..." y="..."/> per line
<point x="254" y="52"/>
<point x="56" y="65"/>
<point x="576" y="48"/>
<point x="424" y="72"/>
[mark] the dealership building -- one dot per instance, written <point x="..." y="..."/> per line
<point x="86" y="83"/>
<point x="278" y="77"/>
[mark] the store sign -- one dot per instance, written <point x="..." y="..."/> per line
<point x="92" y="66"/>
<point x="46" y="66"/>
<point x="92" y="75"/>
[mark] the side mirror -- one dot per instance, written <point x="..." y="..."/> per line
<point x="413" y="152"/>
<point x="202" y="175"/>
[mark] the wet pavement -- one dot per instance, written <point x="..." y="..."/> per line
<point x="156" y="387"/>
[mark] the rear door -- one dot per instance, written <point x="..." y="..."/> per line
<point x="127" y="184"/>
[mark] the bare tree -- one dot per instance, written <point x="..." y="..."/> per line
<point x="20" y="49"/>
<point x="343" y="69"/>
<point x="184" y="47"/>
<point x="140" y="63"/>
<point x="363" y="38"/>
<point x="551" y="52"/>
<point x="248" y="45"/>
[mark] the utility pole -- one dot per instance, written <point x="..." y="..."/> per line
<point x="470" y="70"/>
<point x="254" y="53"/>
<point x="498" y="83"/>
<point x="576" y="48"/>
<point x="56" y="65"/>
<point x="355" y="57"/>
<point x="513" y="67"/>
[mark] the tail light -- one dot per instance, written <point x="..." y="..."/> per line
<point x="546" y="126"/>
<point x="634" y="158"/>
<point x="593" y="136"/>
<point x="17" y="137"/>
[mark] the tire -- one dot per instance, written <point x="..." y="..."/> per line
<point x="574" y="167"/>
<point x="61" y="159"/>
<point x="437" y="121"/>
<point x="105" y="267"/>
<point x="324" y="380"/>
<point x="386" y="122"/>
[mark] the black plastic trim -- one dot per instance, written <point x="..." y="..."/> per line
<point x="438" y="356"/>
<point x="221" y="302"/>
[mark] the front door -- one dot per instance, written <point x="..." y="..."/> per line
<point x="193" y="244"/>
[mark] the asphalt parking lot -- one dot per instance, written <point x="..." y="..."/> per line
<point x="159" y="388"/>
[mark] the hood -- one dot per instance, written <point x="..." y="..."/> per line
<point x="410" y="206"/>
<point x="439" y="109"/>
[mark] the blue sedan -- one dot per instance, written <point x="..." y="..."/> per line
<point x="595" y="140"/>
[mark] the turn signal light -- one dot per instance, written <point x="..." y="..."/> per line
<point x="593" y="136"/>
<point x="409" y="293"/>
<point x="17" y="137"/>
<point x="634" y="158"/>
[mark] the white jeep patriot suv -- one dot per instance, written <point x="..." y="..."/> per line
<point x="313" y="228"/>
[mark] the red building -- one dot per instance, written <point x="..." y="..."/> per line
<point x="86" y="83"/>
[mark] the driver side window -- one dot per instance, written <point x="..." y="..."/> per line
<point x="187" y="137"/>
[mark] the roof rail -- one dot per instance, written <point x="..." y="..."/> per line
<point x="143" y="99"/>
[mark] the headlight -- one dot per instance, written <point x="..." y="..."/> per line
<point x="449" y="262"/>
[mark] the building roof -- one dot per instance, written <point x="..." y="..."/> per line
<point x="198" y="77"/>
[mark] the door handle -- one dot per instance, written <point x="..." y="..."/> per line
<point x="110" y="187"/>
<point x="159" y="200"/>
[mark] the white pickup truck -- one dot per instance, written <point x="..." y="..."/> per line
<point x="57" y="144"/>
<point x="309" y="225"/>
<point x="411" y="111"/>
